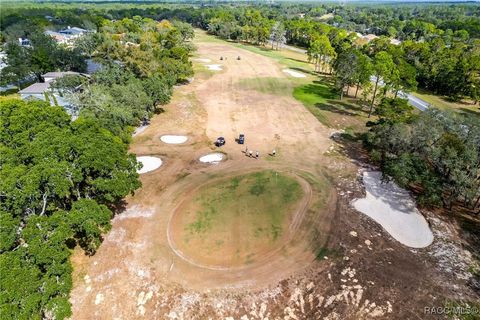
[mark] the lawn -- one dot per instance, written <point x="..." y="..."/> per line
<point x="237" y="220"/>
<point x="321" y="99"/>
<point x="294" y="60"/>
<point x="444" y="104"/>
<point x="290" y="59"/>
<point x="259" y="201"/>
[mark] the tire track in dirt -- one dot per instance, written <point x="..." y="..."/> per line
<point x="267" y="257"/>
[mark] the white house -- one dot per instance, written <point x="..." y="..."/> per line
<point x="42" y="91"/>
<point x="67" y="36"/>
<point x="23" y="42"/>
<point x="58" y="37"/>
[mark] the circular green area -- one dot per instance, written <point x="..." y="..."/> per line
<point x="235" y="221"/>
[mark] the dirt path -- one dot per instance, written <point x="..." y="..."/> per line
<point x="136" y="274"/>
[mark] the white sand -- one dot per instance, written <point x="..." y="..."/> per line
<point x="294" y="73"/>
<point x="212" y="158"/>
<point x="149" y="163"/>
<point x="394" y="209"/>
<point x="173" y="139"/>
<point x="214" y="67"/>
<point x="202" y="60"/>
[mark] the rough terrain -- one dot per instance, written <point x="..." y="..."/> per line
<point x="339" y="265"/>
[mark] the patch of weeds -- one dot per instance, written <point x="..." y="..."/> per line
<point x="291" y="190"/>
<point x="258" y="187"/>
<point x="235" y="183"/>
<point x="462" y="310"/>
<point x="258" y="232"/>
<point x="219" y="243"/>
<point x="323" y="252"/>
<point x="203" y="221"/>
<point x="350" y="134"/>
<point x="275" y="231"/>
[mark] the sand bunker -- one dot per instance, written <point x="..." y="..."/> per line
<point x="149" y="163"/>
<point x="173" y="139"/>
<point x="294" y="73"/>
<point x="394" y="209"/>
<point x="212" y="158"/>
<point x="214" y="67"/>
<point x="202" y="60"/>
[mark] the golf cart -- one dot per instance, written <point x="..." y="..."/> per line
<point x="220" y="141"/>
<point x="241" y="138"/>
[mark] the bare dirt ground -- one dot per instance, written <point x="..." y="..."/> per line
<point x="338" y="265"/>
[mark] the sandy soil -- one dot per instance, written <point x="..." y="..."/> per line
<point x="149" y="163"/>
<point x="294" y="74"/>
<point x="214" y="67"/>
<point x="173" y="139"/>
<point x="214" y="158"/>
<point x="322" y="272"/>
<point x="394" y="209"/>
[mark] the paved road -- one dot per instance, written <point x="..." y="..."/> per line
<point x="291" y="48"/>
<point x="418" y="103"/>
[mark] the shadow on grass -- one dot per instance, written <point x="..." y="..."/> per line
<point x="335" y="109"/>
<point x="471" y="112"/>
<point x="304" y="71"/>
<point x="297" y="60"/>
<point x="341" y="107"/>
<point x="319" y="90"/>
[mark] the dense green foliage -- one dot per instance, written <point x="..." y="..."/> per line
<point x="57" y="181"/>
<point x="440" y="49"/>
<point x="436" y="152"/>
<point x="142" y="61"/>
<point x="444" y="62"/>
<point x="41" y="56"/>
<point x="60" y="179"/>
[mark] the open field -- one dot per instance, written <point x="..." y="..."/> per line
<point x="182" y="248"/>
<point x="236" y="221"/>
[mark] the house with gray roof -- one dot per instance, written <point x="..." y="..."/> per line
<point x="43" y="91"/>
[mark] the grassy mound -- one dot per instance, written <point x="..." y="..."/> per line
<point x="236" y="220"/>
<point x="261" y="200"/>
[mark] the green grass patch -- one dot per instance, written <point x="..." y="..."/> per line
<point x="203" y="36"/>
<point x="314" y="94"/>
<point x="259" y="201"/>
<point x="462" y="310"/>
<point x="294" y="60"/>
<point x="322" y="100"/>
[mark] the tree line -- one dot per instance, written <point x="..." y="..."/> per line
<point x="435" y="152"/>
<point x="446" y="64"/>
<point x="60" y="180"/>
<point x="440" y="42"/>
